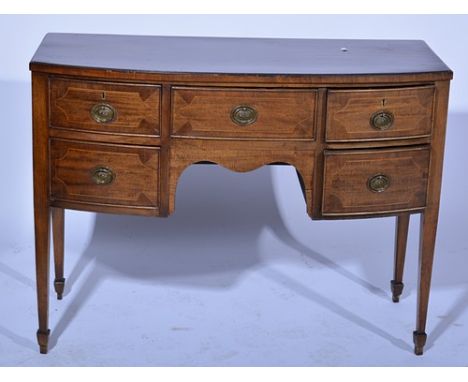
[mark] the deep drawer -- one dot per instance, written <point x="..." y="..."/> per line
<point x="105" y="107"/>
<point x="104" y="174"/>
<point x="374" y="181"/>
<point x="244" y="113"/>
<point x="364" y="115"/>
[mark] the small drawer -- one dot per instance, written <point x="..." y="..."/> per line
<point x="359" y="182"/>
<point x="105" y="107"/>
<point x="244" y="113"/>
<point x="365" y="115"/>
<point x="104" y="174"/>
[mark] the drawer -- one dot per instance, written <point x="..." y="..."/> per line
<point x="105" y="107"/>
<point x="374" y="181"/>
<point x="104" y="174"/>
<point x="244" y="113"/>
<point x="364" y="115"/>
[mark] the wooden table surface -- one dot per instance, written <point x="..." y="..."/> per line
<point x="238" y="55"/>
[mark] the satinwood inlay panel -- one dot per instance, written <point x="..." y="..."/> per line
<point x="107" y="174"/>
<point x="349" y="178"/>
<point x="129" y="109"/>
<point x="352" y="113"/>
<point x="275" y="114"/>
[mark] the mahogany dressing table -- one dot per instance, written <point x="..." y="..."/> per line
<point x="117" y="119"/>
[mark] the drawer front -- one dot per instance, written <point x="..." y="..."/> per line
<point x="374" y="181"/>
<point x="363" y="115"/>
<point x="104" y="174"/>
<point x="105" y="107"/>
<point x="246" y="113"/>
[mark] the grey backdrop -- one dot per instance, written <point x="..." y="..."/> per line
<point x="238" y="275"/>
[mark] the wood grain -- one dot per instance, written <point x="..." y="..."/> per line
<point x="347" y="173"/>
<point x="350" y="111"/>
<point x="401" y="238"/>
<point x="206" y="112"/>
<point x="239" y="156"/>
<point x="58" y="232"/>
<point x="137" y="106"/>
<point x="135" y="168"/>
<point x="429" y="219"/>
<point x="238" y="56"/>
<point x="41" y="204"/>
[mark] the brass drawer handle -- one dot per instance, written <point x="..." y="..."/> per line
<point x="103" y="113"/>
<point x="243" y="115"/>
<point x="378" y="183"/>
<point x="102" y="175"/>
<point x="382" y="120"/>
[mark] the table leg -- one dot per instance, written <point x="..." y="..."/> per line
<point x="426" y="256"/>
<point x="58" y="224"/>
<point x="41" y="204"/>
<point x="430" y="215"/>
<point x="42" y="223"/>
<point x="401" y="238"/>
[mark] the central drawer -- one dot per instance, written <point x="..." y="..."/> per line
<point x="243" y="113"/>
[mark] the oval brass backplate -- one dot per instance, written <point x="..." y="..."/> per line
<point x="243" y="115"/>
<point x="382" y="120"/>
<point x="103" y="113"/>
<point x="378" y="183"/>
<point x="102" y="175"/>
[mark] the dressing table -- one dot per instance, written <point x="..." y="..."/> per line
<point x="117" y="119"/>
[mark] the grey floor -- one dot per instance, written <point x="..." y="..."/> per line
<point x="238" y="276"/>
